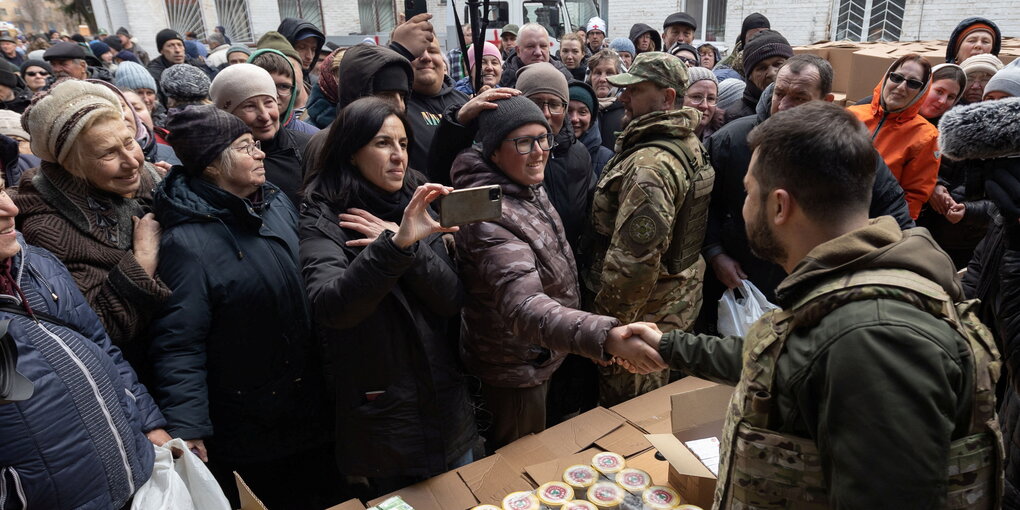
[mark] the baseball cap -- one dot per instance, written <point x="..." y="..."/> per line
<point x="509" y="29"/>
<point x="663" y="69"/>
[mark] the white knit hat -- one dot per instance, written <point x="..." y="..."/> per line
<point x="57" y="119"/>
<point x="10" y="125"/>
<point x="235" y="84"/>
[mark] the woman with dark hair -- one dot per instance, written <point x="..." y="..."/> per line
<point x="234" y="362"/>
<point x="907" y="141"/>
<point x="383" y="294"/>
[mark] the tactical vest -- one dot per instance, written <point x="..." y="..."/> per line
<point x="763" y="469"/>
<point x="692" y="218"/>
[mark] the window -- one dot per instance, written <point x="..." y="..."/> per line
<point x="308" y="10"/>
<point x="3" y="12"/>
<point x="547" y="13"/>
<point x="376" y="16"/>
<point x="185" y="16"/>
<point x="711" y="21"/>
<point x="235" y="19"/>
<point x="869" y="20"/>
<point x="580" y="11"/>
<point x="499" y="14"/>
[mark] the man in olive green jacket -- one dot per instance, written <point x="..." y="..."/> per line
<point x="869" y="389"/>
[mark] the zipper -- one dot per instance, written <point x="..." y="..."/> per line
<point x="559" y="238"/>
<point x="19" y="490"/>
<point x="879" y="126"/>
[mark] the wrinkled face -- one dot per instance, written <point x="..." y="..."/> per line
<point x="996" y="95"/>
<point x="74" y="68"/>
<point x="383" y="161"/>
<point x="595" y="39"/>
<point x="707" y="57"/>
<point x="8" y="237"/>
<point x="644" y="43"/>
<point x="689" y="59"/>
<point x="306" y="48"/>
<point x="794" y="89"/>
<point x="675" y="33"/>
<point x="533" y="47"/>
<point x="524" y="169"/>
<point x="236" y="57"/>
<point x="940" y="98"/>
<point x="112" y="159"/>
<point x="580" y="117"/>
<point x="642" y="98"/>
<point x="248" y="172"/>
<point x="599" y="78"/>
<point x="429" y="70"/>
<point x="492" y="70"/>
<point x="976" y="82"/>
<point x="765" y="72"/>
<point x="173" y="51"/>
<point x="148" y="97"/>
<point x="571" y="54"/>
<point x="509" y="41"/>
<point x="898" y="96"/>
<point x="627" y="58"/>
<point x="261" y="114"/>
<point x="8" y="48"/>
<point x="35" y="77"/>
<point x="552" y="107"/>
<point x="701" y="96"/>
<point x="138" y="105"/>
<point x="129" y="115"/>
<point x="284" y="88"/>
<point x="976" y="43"/>
<point x="760" y="236"/>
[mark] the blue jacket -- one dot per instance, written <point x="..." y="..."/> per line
<point x="232" y="351"/>
<point x="78" y="441"/>
<point x="320" y="110"/>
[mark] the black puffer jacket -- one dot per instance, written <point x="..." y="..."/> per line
<point x="20" y="101"/>
<point x="725" y="233"/>
<point x="965" y="184"/>
<point x="384" y="313"/>
<point x="611" y="123"/>
<point x="424" y="114"/>
<point x="285" y="161"/>
<point x="290" y="27"/>
<point x="233" y="357"/>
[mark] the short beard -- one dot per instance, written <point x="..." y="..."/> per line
<point x="762" y="241"/>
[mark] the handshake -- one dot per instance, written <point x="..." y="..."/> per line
<point x="635" y="347"/>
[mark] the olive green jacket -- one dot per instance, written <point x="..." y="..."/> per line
<point x="881" y="386"/>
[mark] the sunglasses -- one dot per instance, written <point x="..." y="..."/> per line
<point x="898" y="78"/>
<point x="36" y="73"/>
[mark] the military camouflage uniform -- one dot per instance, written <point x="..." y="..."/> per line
<point x="648" y="219"/>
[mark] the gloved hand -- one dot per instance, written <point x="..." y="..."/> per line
<point x="1002" y="185"/>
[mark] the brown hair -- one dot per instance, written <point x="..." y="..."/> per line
<point x="913" y="57"/>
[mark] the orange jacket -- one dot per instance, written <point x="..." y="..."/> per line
<point x="908" y="143"/>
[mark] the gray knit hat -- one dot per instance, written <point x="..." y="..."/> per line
<point x="184" y="81"/>
<point x="132" y="76"/>
<point x="58" y="118"/>
<point x="510" y="114"/>
<point x="697" y="74"/>
<point x="542" y="77"/>
<point x="731" y="90"/>
<point x="1007" y="80"/>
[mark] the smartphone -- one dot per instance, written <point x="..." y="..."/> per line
<point x="413" y="8"/>
<point x="471" y="205"/>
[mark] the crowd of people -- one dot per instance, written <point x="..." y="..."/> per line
<point x="240" y="247"/>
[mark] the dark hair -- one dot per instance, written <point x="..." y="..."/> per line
<point x="913" y="57"/>
<point x="798" y="63"/>
<point x="274" y="63"/>
<point x="334" y="178"/>
<point x="819" y="153"/>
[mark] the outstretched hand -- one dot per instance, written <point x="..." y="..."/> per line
<point x="483" y="101"/>
<point x="365" y="223"/>
<point x="415" y="34"/>
<point x="635" y="347"/>
<point x="417" y="223"/>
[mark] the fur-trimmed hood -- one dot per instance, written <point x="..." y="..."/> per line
<point x="989" y="129"/>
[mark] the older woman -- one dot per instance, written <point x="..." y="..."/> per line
<point x="88" y="203"/>
<point x="402" y="409"/>
<point x="36" y="74"/>
<point x="601" y="66"/>
<point x="492" y="70"/>
<point x="521" y="318"/>
<point x="233" y="358"/>
<point x="907" y="141"/>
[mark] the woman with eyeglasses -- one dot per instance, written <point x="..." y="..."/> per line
<point x="235" y="365"/>
<point x="521" y="316"/>
<point x="906" y="140"/>
<point x="384" y="292"/>
<point x="36" y="74"/>
<point x="702" y="95"/>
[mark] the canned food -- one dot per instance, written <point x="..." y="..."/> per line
<point x="608" y="463"/>
<point x="634" y="480"/>
<point x="580" y="476"/>
<point x="578" y="504"/>
<point x="606" y="495"/>
<point x="659" y="497"/>
<point x="521" y="501"/>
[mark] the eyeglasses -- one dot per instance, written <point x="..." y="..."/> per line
<point x="898" y="78"/>
<point x="701" y="99"/>
<point x="250" y="147"/>
<point x="36" y="73"/>
<point x="555" y="107"/>
<point x="689" y="61"/>
<point x="526" y="144"/>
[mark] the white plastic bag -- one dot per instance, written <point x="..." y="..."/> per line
<point x="179" y="484"/>
<point x="737" y="314"/>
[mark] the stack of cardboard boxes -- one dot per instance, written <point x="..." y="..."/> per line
<point x="858" y="67"/>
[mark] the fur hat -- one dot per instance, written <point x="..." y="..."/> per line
<point x="1007" y="80"/>
<point x="200" y="133"/>
<point x="235" y="84"/>
<point x="985" y="63"/>
<point x="984" y="130"/>
<point x="184" y="81"/>
<point x="132" y="76"/>
<point x="509" y="114"/>
<point x="58" y="118"/>
<point x="542" y="77"/>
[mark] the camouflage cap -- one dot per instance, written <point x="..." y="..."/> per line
<point x="656" y="66"/>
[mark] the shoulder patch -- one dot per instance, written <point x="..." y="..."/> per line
<point x="643" y="229"/>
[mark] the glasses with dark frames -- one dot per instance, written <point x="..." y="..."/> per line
<point x="898" y="78"/>
<point x="526" y="144"/>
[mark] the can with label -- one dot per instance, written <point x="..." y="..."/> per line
<point x="521" y="501"/>
<point x="659" y="497"/>
<point x="633" y="480"/>
<point x="608" y="463"/>
<point x="580" y="477"/>
<point x="578" y="504"/>
<point x="555" y="494"/>
<point x="606" y="495"/>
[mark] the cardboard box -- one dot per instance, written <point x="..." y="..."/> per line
<point x="444" y="492"/>
<point x="249" y="501"/>
<point x="697" y="413"/>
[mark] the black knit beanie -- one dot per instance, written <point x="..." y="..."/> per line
<point x="510" y="114"/>
<point x="766" y="44"/>
<point x="166" y="35"/>
<point x="751" y="22"/>
<point x="200" y="133"/>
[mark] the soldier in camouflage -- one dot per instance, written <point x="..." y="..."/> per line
<point x="648" y="215"/>
<point x="874" y="386"/>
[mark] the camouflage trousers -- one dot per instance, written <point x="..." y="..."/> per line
<point x="676" y="300"/>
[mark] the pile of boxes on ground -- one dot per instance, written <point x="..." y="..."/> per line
<point x="858" y="67"/>
<point x="603" y="459"/>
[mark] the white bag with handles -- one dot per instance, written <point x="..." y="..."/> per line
<point x="736" y="315"/>
<point x="184" y="483"/>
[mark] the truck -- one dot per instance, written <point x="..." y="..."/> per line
<point x="558" y="16"/>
